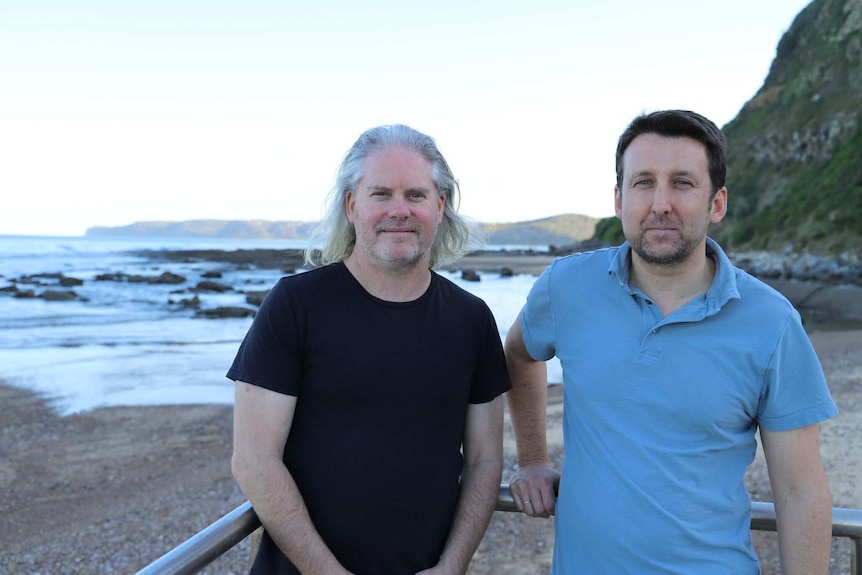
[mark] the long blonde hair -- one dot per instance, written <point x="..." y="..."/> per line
<point x="338" y="236"/>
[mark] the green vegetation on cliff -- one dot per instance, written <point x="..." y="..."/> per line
<point x="795" y="149"/>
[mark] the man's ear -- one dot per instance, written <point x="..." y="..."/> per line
<point x="618" y="202"/>
<point x="718" y="206"/>
<point x="349" y="205"/>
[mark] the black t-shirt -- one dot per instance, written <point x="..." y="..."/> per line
<point x="382" y="394"/>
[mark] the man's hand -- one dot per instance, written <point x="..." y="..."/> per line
<point x="534" y="489"/>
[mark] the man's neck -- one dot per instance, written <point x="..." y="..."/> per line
<point x="390" y="284"/>
<point x="673" y="286"/>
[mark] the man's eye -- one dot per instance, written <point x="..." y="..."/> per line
<point x="644" y="182"/>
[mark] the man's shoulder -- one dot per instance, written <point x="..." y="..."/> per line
<point x="450" y="289"/>
<point x="311" y="276"/>
<point x="758" y="291"/>
<point x="764" y="307"/>
<point x="307" y="283"/>
<point x="600" y="258"/>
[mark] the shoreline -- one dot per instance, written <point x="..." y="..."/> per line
<point x="833" y="299"/>
<point x="829" y="289"/>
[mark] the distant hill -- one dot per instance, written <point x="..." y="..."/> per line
<point x="562" y="230"/>
<point x="794" y="174"/>
<point x="259" y="229"/>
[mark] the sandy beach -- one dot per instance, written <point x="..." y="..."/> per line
<point x="110" y="490"/>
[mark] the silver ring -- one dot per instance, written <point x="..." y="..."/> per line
<point x="525" y="500"/>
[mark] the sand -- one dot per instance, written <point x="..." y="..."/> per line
<point x="110" y="490"/>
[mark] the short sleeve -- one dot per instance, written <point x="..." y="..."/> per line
<point x="795" y="390"/>
<point x="537" y="319"/>
<point x="269" y="355"/>
<point x="492" y="375"/>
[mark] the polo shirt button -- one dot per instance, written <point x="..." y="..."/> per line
<point x="655" y="330"/>
<point x="649" y="302"/>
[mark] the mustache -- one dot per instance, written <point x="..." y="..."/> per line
<point x="397" y="228"/>
<point x="663" y="222"/>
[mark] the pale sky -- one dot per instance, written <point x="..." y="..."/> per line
<point x="116" y="111"/>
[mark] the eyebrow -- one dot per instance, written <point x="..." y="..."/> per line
<point x="676" y="174"/>
<point x="388" y="189"/>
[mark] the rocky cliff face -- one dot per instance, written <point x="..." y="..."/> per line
<point x="795" y="149"/>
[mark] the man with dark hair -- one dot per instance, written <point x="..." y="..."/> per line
<point x="368" y="411"/>
<point x="672" y="360"/>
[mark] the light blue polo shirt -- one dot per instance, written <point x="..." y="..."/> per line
<point x="660" y="413"/>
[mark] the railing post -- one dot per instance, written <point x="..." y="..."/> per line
<point x="856" y="556"/>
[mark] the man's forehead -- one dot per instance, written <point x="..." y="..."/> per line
<point x="662" y="151"/>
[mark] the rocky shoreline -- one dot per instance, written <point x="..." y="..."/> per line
<point x="845" y="269"/>
<point x="827" y="286"/>
<point x="830" y="287"/>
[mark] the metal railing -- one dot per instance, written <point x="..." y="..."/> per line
<point x="208" y="545"/>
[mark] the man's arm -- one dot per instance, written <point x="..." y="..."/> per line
<point x="534" y="485"/>
<point x="262" y="421"/>
<point x="480" y="485"/>
<point x="803" y="505"/>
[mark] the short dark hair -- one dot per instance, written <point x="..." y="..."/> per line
<point x="679" y="124"/>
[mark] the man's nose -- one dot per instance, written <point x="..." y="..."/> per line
<point x="661" y="199"/>
<point x="399" y="208"/>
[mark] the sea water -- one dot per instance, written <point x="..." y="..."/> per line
<point x="123" y="343"/>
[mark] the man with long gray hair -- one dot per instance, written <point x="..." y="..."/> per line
<point x="368" y="411"/>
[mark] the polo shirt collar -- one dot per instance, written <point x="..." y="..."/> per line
<point x="723" y="289"/>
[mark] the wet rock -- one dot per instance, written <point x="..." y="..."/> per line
<point x="470" y="275"/>
<point x="223" y="312"/>
<point x="112" y="277"/>
<point x="9" y="289"/>
<point x="25" y="294"/>
<point x="506" y="272"/>
<point x="48" y="276"/>
<point x="163" y="278"/>
<point x="58" y="295"/>
<point x="255" y="298"/>
<point x="212" y="286"/>
<point x="211" y="275"/>
<point x="187" y="303"/>
<point x="243" y="259"/>
<point x="37" y="280"/>
<point x="67" y="281"/>
<point x="167" y="278"/>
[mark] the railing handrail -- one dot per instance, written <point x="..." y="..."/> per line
<point x="208" y="545"/>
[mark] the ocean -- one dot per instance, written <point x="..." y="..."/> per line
<point x="125" y="343"/>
